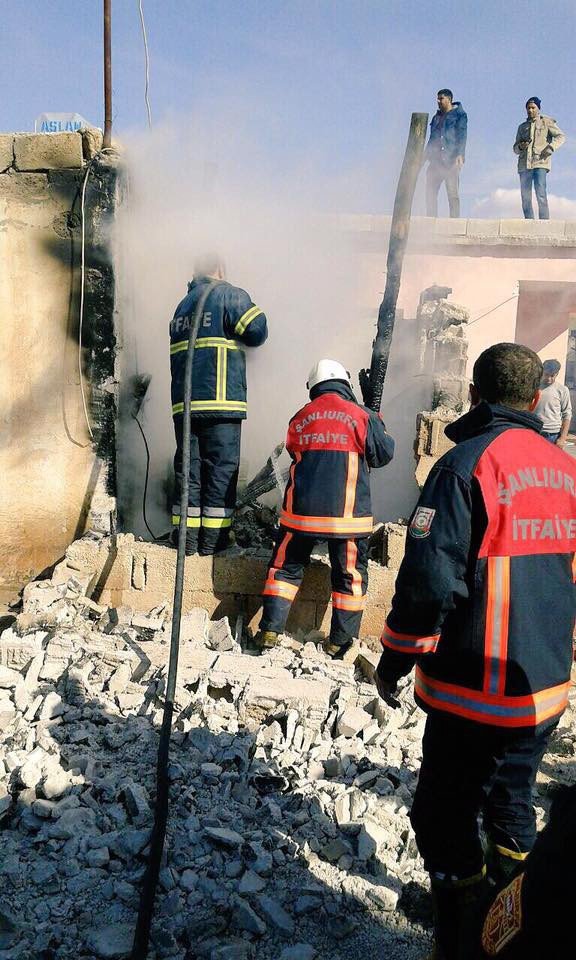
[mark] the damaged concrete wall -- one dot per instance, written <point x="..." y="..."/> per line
<point x="52" y="472"/>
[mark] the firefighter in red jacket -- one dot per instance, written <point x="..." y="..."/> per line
<point x="333" y="441"/>
<point x="484" y="607"/>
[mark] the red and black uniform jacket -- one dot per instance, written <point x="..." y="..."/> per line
<point x="333" y="441"/>
<point x="485" y="600"/>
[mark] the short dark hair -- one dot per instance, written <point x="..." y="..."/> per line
<point x="552" y="367"/>
<point x="508" y="373"/>
<point x="445" y="93"/>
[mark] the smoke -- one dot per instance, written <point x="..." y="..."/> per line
<point x="201" y="186"/>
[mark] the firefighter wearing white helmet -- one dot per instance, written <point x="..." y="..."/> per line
<point x="333" y="442"/>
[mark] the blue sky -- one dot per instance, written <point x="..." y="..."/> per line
<point x="326" y="87"/>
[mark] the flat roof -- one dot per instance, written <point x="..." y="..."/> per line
<point x="516" y="238"/>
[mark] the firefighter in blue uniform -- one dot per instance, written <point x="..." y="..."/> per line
<point x="333" y="441"/>
<point x="484" y="607"/>
<point x="230" y="322"/>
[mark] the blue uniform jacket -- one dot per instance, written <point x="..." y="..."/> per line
<point x="485" y="602"/>
<point x="230" y="322"/>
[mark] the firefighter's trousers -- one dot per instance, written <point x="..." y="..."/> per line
<point x="349" y="571"/>
<point x="470" y="769"/>
<point x="214" y="463"/>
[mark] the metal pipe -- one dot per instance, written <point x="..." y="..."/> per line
<point x="107" y="73"/>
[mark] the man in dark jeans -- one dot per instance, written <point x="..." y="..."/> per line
<point x="537" y="138"/>
<point x="445" y="153"/>
<point x="489" y="553"/>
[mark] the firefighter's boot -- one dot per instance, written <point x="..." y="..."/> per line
<point x="458" y="908"/>
<point x="266" y="639"/>
<point x="191" y="541"/>
<point x="336" y="651"/>
<point x="504" y="865"/>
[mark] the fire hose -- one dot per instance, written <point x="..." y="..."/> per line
<point x="147" y="896"/>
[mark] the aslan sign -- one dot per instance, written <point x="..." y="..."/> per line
<point x="59" y="123"/>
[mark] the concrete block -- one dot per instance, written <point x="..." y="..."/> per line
<point x="92" y="138"/>
<point x="41" y="151"/>
<point x="6" y="151"/>
<point x="26" y="187"/>
<point x="393" y="545"/>
<point x="244" y="575"/>
<point x="267" y="692"/>
<point x="570" y="229"/>
<point x="450" y="226"/>
<point x="431" y="439"/>
<point x="423" y="468"/>
<point x="482" y="229"/>
<point x="532" y="229"/>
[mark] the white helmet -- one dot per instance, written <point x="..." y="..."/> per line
<point x="327" y="370"/>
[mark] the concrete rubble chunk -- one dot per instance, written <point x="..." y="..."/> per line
<point x="352" y="722"/>
<point x="9" y="678"/>
<point x="111" y="941"/>
<point x="74" y="823"/>
<point x="276" y="916"/>
<point x="229" y="839"/>
<point x="219" y="635"/>
<point x="245" y="918"/>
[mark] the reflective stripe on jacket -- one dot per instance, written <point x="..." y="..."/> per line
<point x="484" y="600"/>
<point x="333" y="441"/>
<point x="230" y="322"/>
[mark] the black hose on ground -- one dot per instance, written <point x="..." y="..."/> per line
<point x="146" y="907"/>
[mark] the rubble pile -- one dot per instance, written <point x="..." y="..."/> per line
<point x="288" y="836"/>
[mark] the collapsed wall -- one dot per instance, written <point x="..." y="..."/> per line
<point x="54" y="475"/>
<point x="444" y="355"/>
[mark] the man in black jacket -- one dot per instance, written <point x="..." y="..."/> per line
<point x="445" y="153"/>
<point x="230" y="322"/>
<point x="333" y="442"/>
<point x="484" y="606"/>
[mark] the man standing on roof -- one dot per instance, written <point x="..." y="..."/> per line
<point x="230" y="321"/>
<point x="333" y="441"/>
<point x="484" y="607"/>
<point x="536" y="140"/>
<point x="554" y="406"/>
<point x="445" y="153"/>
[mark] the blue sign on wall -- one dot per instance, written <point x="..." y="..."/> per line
<point x="59" y="123"/>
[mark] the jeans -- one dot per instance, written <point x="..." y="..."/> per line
<point x="538" y="178"/>
<point x="437" y="175"/>
<point x="552" y="437"/>
<point x="468" y="769"/>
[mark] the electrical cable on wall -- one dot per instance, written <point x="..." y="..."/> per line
<point x="82" y="284"/>
<point x="147" y="62"/>
<point x="498" y="305"/>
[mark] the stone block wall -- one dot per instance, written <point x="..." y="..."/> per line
<point x="122" y="571"/>
<point x="52" y="472"/>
